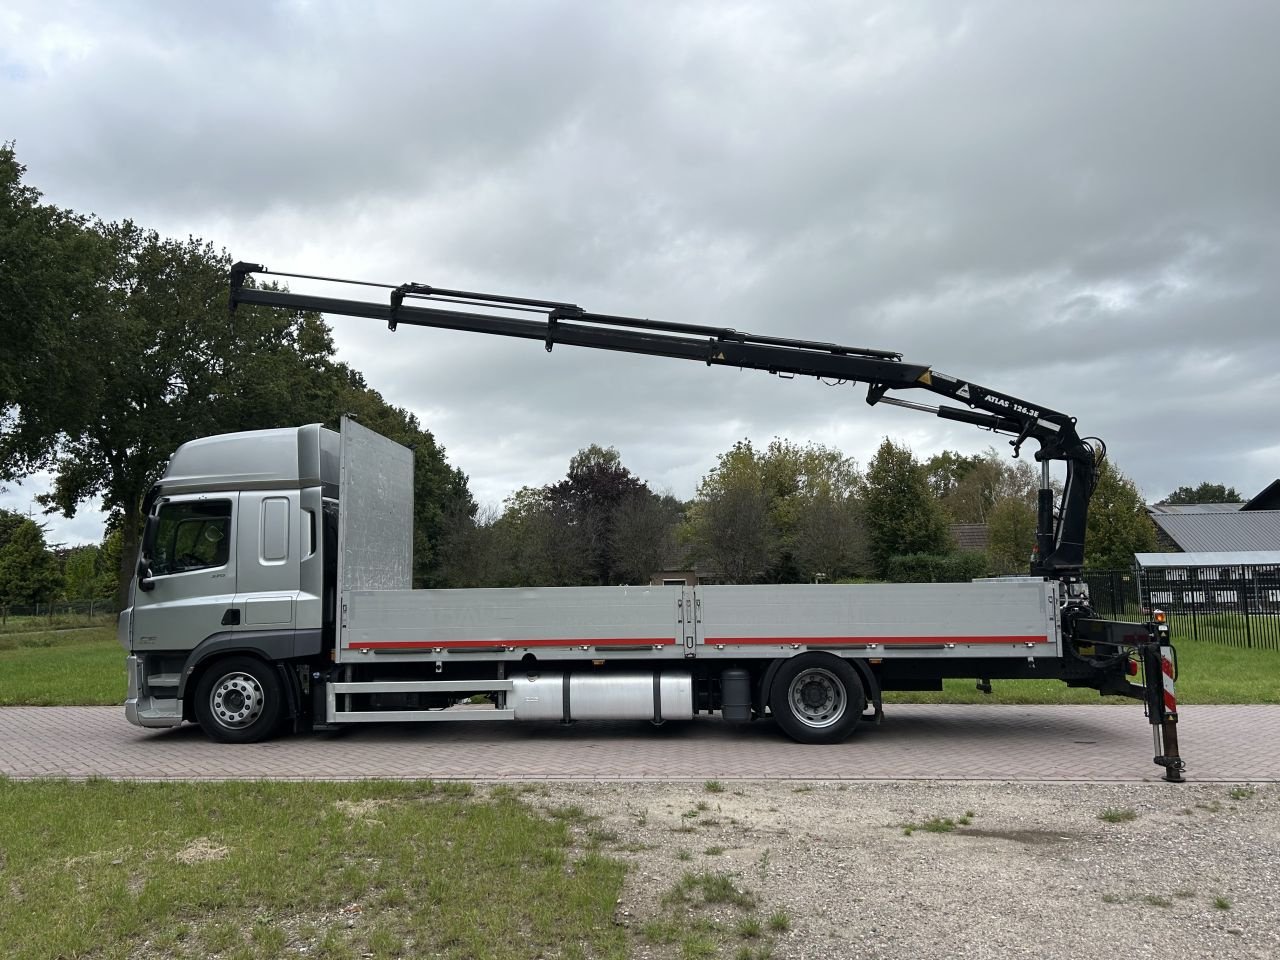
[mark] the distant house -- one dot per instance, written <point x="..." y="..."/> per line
<point x="1219" y="527"/>
<point x="1268" y="499"/>
<point x="974" y="537"/>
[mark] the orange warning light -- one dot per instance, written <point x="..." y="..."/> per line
<point x="1160" y="616"/>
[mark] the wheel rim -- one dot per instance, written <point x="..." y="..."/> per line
<point x="236" y="700"/>
<point x="817" y="697"/>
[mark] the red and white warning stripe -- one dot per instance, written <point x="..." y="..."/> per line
<point x="1166" y="670"/>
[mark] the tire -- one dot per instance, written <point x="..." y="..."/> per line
<point x="817" y="698"/>
<point x="239" y="700"/>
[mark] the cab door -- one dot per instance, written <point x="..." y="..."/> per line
<point x="268" y="553"/>
<point x="189" y="589"/>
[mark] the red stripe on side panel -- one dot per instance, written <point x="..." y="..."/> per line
<point x="501" y="644"/>
<point x="883" y="641"/>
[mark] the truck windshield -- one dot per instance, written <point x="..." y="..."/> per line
<point x="191" y="536"/>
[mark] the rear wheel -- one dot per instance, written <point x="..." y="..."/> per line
<point x="239" y="700"/>
<point x="817" y="698"/>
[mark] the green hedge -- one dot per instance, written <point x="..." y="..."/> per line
<point x="938" y="568"/>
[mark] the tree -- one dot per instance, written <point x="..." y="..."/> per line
<point x="591" y="495"/>
<point x="644" y="535"/>
<point x="1012" y="535"/>
<point x="28" y="571"/>
<point x="970" y="487"/>
<point x="109" y="562"/>
<point x="729" y="526"/>
<point x="1119" y="525"/>
<point x="470" y="548"/>
<point x="903" y="517"/>
<point x="9" y="523"/>
<point x="1204" y="493"/>
<point x="599" y="525"/>
<point x="821" y="518"/>
<point x="122" y="349"/>
<point x="80" y="573"/>
<point x="153" y="360"/>
<point x="781" y="515"/>
<point x="539" y="543"/>
<point x="49" y="263"/>
<point x="945" y="470"/>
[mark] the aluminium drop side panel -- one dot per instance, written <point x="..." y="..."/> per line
<point x="375" y="526"/>
<point x="506" y="623"/>
<point x="993" y="618"/>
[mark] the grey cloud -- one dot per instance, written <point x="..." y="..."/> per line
<point x="1074" y="203"/>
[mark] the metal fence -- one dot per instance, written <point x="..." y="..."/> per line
<point x="59" y="612"/>
<point x="1235" y="605"/>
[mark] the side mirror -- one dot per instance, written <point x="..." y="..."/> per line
<point x="145" y="583"/>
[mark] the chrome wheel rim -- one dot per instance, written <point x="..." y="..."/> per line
<point x="817" y="697"/>
<point x="237" y="700"/>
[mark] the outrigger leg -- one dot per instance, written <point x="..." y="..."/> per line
<point x="1159" y="660"/>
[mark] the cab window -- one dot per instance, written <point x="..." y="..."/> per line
<point x="191" y="535"/>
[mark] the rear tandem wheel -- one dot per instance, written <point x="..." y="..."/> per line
<point x="817" y="698"/>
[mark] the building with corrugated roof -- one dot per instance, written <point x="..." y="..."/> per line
<point x="1268" y="499"/>
<point x="1217" y="531"/>
<point x="1219" y="527"/>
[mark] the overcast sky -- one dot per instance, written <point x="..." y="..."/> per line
<point x="1075" y="203"/>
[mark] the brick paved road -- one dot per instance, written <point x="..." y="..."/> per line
<point x="914" y="743"/>
<point x="1094" y="743"/>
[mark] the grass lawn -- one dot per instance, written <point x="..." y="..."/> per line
<point x="61" y="667"/>
<point x="261" y="870"/>
<point x="86" y="666"/>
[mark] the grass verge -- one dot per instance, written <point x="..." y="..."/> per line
<point x="61" y="668"/>
<point x="259" y="870"/>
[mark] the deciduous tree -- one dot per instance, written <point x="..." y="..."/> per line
<point x="729" y="523"/>
<point x="903" y="516"/>
<point x="1011" y="535"/>
<point x="1204" y="493"/>
<point x="154" y="361"/>
<point x="784" y="514"/>
<point x="644" y="535"/>
<point x="1119" y="525"/>
<point x="595" y="489"/>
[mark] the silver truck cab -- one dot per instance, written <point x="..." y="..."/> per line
<point x="238" y="533"/>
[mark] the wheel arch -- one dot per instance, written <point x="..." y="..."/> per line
<point x="272" y="647"/>
<point x="870" y="682"/>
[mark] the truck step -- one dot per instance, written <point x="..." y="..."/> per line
<point x="422" y="686"/>
<point x="460" y="712"/>
<point x="452" y="714"/>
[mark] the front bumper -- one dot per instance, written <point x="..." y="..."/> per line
<point x="143" y="708"/>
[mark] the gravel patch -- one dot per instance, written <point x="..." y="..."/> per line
<point x="940" y="869"/>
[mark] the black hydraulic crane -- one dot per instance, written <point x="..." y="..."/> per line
<point x="1059" y="534"/>
<point x="1096" y="646"/>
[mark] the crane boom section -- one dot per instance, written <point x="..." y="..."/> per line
<point x="1059" y="540"/>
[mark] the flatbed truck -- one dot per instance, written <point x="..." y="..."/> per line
<point x="274" y="589"/>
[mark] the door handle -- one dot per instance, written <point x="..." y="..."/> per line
<point x="231" y="618"/>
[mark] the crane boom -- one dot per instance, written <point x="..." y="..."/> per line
<point x="1059" y="539"/>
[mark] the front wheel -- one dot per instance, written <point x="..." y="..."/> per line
<point x="238" y="700"/>
<point x="817" y="698"/>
